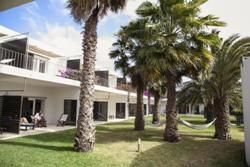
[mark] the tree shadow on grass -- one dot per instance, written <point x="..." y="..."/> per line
<point x="38" y="146"/>
<point x="64" y="137"/>
<point x="191" y="152"/>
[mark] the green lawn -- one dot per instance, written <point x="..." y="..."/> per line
<point x="116" y="146"/>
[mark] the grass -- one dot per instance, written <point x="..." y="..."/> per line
<point x="116" y="146"/>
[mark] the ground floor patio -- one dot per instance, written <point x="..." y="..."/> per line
<point x="24" y="97"/>
<point x="48" y="129"/>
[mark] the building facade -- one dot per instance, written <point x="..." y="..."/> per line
<point x="33" y="78"/>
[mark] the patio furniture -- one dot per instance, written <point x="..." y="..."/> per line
<point x="27" y="125"/>
<point x="39" y="123"/>
<point x="62" y="120"/>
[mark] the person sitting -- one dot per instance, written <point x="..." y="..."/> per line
<point x="40" y="120"/>
<point x="24" y="120"/>
<point x="37" y="118"/>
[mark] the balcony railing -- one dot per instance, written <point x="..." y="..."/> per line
<point x="21" y="60"/>
<point x="75" y="75"/>
<point x="18" y="59"/>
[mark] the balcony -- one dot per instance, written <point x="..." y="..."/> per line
<point x="75" y="75"/>
<point x="20" y="60"/>
<point x="16" y="59"/>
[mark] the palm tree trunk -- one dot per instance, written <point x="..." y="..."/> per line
<point x="156" y="111"/>
<point x="85" y="133"/>
<point x="208" y="111"/>
<point x="222" y="123"/>
<point x="139" y="117"/>
<point x="171" y="130"/>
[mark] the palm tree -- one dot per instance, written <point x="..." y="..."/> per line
<point x="197" y="92"/>
<point x="157" y="89"/>
<point x="89" y="12"/>
<point x="225" y="78"/>
<point x="128" y="53"/>
<point x="184" y="39"/>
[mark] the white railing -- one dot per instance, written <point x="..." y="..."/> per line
<point x="18" y="59"/>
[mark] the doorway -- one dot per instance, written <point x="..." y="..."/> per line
<point x="120" y="110"/>
<point x="100" y="111"/>
<point x="70" y="107"/>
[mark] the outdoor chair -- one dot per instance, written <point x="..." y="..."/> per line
<point x="25" y="125"/>
<point x="62" y="120"/>
<point x="39" y="123"/>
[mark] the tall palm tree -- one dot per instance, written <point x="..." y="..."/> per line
<point x="225" y="78"/>
<point x="129" y="56"/>
<point x="89" y="12"/>
<point x="184" y="41"/>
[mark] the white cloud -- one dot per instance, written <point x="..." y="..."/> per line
<point x="65" y="38"/>
<point x="235" y="14"/>
<point x="104" y="46"/>
<point x="33" y="17"/>
<point x="68" y="40"/>
<point x="131" y="7"/>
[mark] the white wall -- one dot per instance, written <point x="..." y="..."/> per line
<point x="246" y="105"/>
<point x="55" y="65"/>
<point x="54" y="97"/>
<point x="163" y="107"/>
<point x="112" y="81"/>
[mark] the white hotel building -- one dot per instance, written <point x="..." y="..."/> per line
<point x="30" y="82"/>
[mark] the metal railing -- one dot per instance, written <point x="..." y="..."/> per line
<point x="18" y="59"/>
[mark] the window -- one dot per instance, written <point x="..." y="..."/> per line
<point x="42" y="66"/>
<point x="30" y="61"/>
<point x="100" y="111"/>
<point x="70" y="107"/>
<point x="120" y="110"/>
<point x="37" y="63"/>
<point x="132" y="109"/>
<point x="73" y="64"/>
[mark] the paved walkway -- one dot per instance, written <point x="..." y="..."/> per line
<point x="48" y="129"/>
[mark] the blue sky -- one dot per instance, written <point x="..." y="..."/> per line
<point x="48" y="21"/>
<point x="33" y="17"/>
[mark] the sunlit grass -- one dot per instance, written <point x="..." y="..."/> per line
<point x="117" y="144"/>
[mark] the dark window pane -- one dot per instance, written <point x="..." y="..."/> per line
<point x="70" y="107"/>
<point x="120" y="110"/>
<point x="73" y="64"/>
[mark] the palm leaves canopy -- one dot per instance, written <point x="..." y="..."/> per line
<point x="226" y="67"/>
<point x="130" y="52"/>
<point x="181" y="33"/>
<point x="81" y="10"/>
<point x="222" y="87"/>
